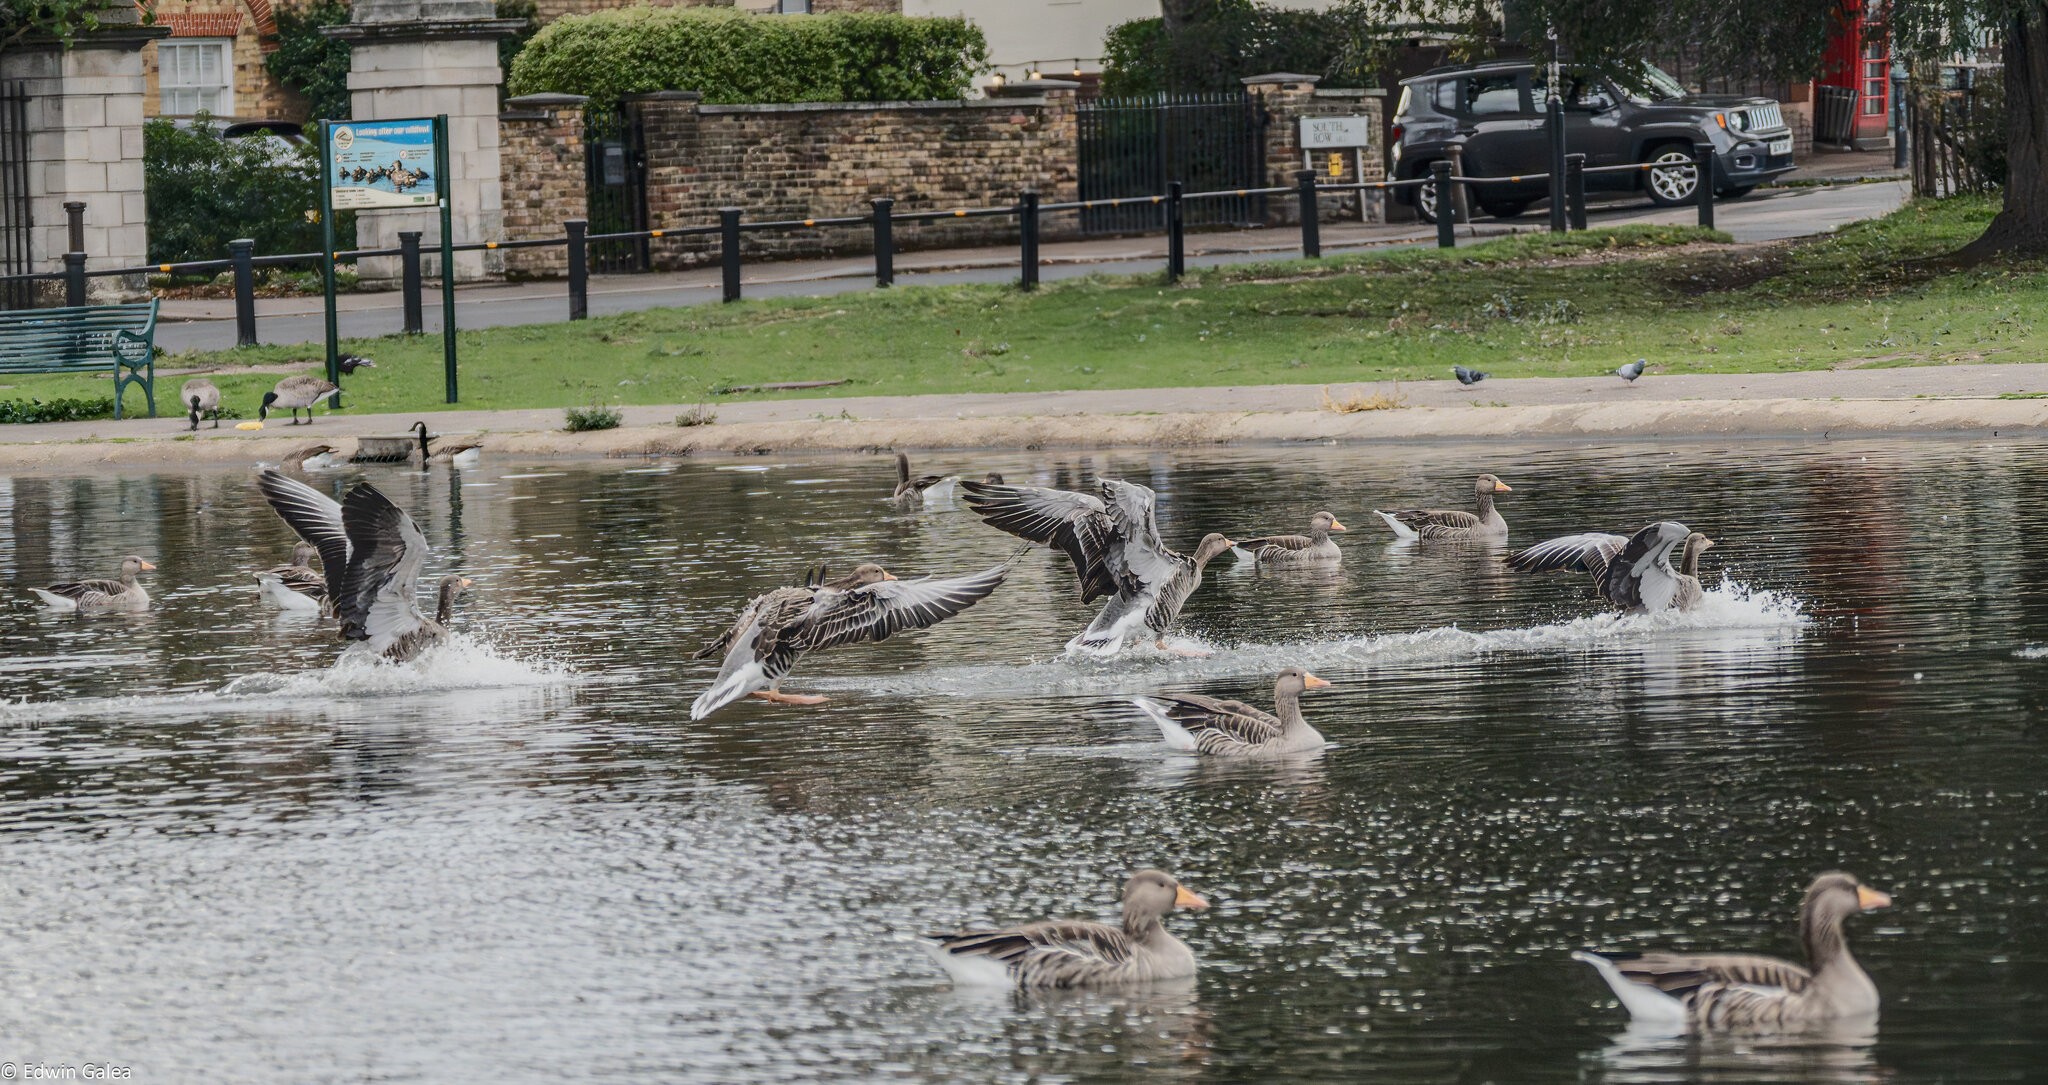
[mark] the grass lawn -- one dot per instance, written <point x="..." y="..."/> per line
<point x="1531" y="305"/>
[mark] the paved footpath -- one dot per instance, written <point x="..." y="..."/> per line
<point x="1770" y="214"/>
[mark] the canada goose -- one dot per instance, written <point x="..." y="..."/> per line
<point x="296" y="394"/>
<point x="200" y="396"/>
<point x="1454" y="523"/>
<point x="777" y="629"/>
<point x="463" y="454"/>
<point x="1114" y="543"/>
<point x="1079" y="953"/>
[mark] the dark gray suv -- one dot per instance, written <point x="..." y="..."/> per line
<point x="1495" y="112"/>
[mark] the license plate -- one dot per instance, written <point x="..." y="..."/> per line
<point x="1781" y="146"/>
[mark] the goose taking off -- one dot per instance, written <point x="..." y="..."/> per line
<point x="295" y="586"/>
<point x="1114" y="543"/>
<point x="1634" y="572"/>
<point x="1316" y="546"/>
<point x="370" y="553"/>
<point x="1076" y="952"/>
<point x="101" y="596"/>
<point x="1454" y="523"/>
<point x="1749" y="993"/>
<point x="1233" y="728"/>
<point x="200" y="396"/>
<point x="776" y="629"/>
<point x="296" y="394"/>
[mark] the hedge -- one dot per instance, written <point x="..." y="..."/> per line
<point x="1230" y="39"/>
<point x="734" y="58"/>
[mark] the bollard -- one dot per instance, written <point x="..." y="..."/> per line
<point x="1027" y="239"/>
<point x="409" y="281"/>
<point x="579" y="268"/>
<point x="74" y="221"/>
<point x="1575" y="189"/>
<point x="885" y="241"/>
<point x="1555" y="120"/>
<point x="1176" y="235"/>
<point x="243" y="252"/>
<point x="74" y="257"/>
<point x="1446" y="230"/>
<point x="1311" y="216"/>
<point x="729" y="250"/>
<point x="1703" y="166"/>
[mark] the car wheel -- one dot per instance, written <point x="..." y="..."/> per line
<point x="1425" y="200"/>
<point x="1673" y="178"/>
<point x="1504" y="209"/>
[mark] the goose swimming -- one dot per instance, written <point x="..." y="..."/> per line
<point x="1114" y="543"/>
<point x="1233" y="728"/>
<point x="1316" y="546"/>
<point x="912" y="489"/>
<point x="1746" y="992"/>
<point x="455" y="453"/>
<point x="296" y="394"/>
<point x="1076" y="952"/>
<point x="101" y="596"/>
<point x="1454" y="523"/>
<point x="370" y="555"/>
<point x="295" y="586"/>
<point x="777" y="629"/>
<point x="1632" y="572"/>
<point x="200" y="396"/>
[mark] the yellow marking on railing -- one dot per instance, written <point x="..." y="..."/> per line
<point x="959" y="214"/>
<point x="490" y="244"/>
<point x="165" y="268"/>
<point x="1514" y="180"/>
<point x="810" y="222"/>
<point x="1156" y="199"/>
<point x="655" y="233"/>
<point x="1242" y="192"/>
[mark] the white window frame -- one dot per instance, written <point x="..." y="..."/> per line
<point x="184" y="93"/>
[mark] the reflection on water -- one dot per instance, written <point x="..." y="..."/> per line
<point x="227" y="859"/>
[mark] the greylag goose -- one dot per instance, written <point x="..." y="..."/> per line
<point x="200" y="396"/>
<point x="96" y="596"/>
<point x="296" y="394"/>
<point x="1076" y="952"/>
<point x="1745" y="992"/>
<point x="1633" y="572"/>
<point x="776" y="629"/>
<point x="1316" y="546"/>
<point x="310" y="458"/>
<point x="912" y="489"/>
<point x="1454" y="523"/>
<point x="992" y="478"/>
<point x="1233" y="728"/>
<point x="458" y="454"/>
<point x="370" y="554"/>
<point x="295" y="586"/>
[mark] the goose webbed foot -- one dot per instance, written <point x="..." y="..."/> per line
<point x="1187" y="653"/>
<point x="774" y="697"/>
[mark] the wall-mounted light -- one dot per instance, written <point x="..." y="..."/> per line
<point x="995" y="80"/>
<point x="1077" y="67"/>
<point x="1034" y="73"/>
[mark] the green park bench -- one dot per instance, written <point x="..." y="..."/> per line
<point x="84" y="339"/>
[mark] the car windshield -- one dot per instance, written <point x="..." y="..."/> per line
<point x="1649" y="83"/>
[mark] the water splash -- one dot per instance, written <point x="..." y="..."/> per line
<point x="2032" y="651"/>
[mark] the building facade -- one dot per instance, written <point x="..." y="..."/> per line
<point x="212" y="62"/>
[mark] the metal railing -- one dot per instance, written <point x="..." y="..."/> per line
<point x="1029" y="212"/>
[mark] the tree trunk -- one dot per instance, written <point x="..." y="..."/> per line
<point x="2021" y="227"/>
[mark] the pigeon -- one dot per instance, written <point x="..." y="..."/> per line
<point x="349" y="363"/>
<point x="1468" y="376"/>
<point x="1633" y="369"/>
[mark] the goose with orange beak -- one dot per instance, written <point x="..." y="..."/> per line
<point x="101" y="596"/>
<point x="776" y="629"/>
<point x="1316" y="547"/>
<point x="1206" y="725"/>
<point x="1079" y="953"/>
<point x="1484" y="524"/>
<point x="1736" y="992"/>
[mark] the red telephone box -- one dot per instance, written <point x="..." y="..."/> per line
<point x="1859" y="57"/>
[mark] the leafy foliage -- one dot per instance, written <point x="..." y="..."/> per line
<point x="204" y="191"/>
<point x="734" y="58"/>
<point x="1218" y="42"/>
<point x="63" y="20"/>
<point x="310" y="62"/>
<point x="509" y="48"/>
<point x="56" y="410"/>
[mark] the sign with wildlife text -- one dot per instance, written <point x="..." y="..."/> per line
<point x="381" y="164"/>
<point x="1331" y="133"/>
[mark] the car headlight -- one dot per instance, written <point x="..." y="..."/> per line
<point x="1739" y="121"/>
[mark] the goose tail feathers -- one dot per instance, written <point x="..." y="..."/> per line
<point x="1401" y="530"/>
<point x="1645" y="1004"/>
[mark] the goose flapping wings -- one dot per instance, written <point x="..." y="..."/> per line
<point x="777" y="629"/>
<point x="1633" y="572"/>
<point x="1113" y="541"/>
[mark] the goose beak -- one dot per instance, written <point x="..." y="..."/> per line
<point x="1312" y="682"/>
<point x="1338" y="526"/>
<point x="1870" y="899"/>
<point x="147" y="565"/>
<point x="1230" y="542"/>
<point x="1182" y="898"/>
<point x="888" y="576"/>
<point x="1500" y="487"/>
<point x="466" y="582"/>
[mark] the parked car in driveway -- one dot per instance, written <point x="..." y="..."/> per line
<point x="1495" y="112"/>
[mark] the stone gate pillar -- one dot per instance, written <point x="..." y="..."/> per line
<point x="418" y="58"/>
<point x="85" y="144"/>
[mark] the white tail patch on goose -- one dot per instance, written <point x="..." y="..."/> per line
<point x="1401" y="530"/>
<point x="56" y="602"/>
<point x="1644" y="1003"/>
<point x="1176" y="736"/>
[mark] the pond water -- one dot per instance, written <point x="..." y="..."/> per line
<point x="223" y="859"/>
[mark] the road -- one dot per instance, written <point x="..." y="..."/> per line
<point x="1768" y="215"/>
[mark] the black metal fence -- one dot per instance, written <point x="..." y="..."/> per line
<point x="1171" y="209"/>
<point x="1956" y="139"/>
<point x="1134" y="146"/>
<point x="15" y="222"/>
<point x="615" y="181"/>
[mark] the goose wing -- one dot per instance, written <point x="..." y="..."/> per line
<point x="1054" y="954"/>
<point x="1078" y="524"/>
<point x="1680" y="975"/>
<point x="88" y="593"/>
<point x="759" y="649"/>
<point x="1142" y="563"/>
<point x="1235" y="721"/>
<point x="1271" y="544"/>
<point x="1420" y="519"/>
<point x="875" y="611"/>
<point x="1641" y="575"/>
<point x="300" y="579"/>
<point x="1591" y="553"/>
<point x="315" y="517"/>
<point x="386" y="550"/>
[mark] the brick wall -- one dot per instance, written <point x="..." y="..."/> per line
<point x="1287" y="99"/>
<point x="834" y="159"/>
<point x="252" y="27"/>
<point x="541" y="141"/>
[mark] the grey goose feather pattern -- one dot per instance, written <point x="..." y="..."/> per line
<point x="1064" y="954"/>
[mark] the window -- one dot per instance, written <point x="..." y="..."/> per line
<point x="792" y="7"/>
<point x="1493" y="94"/>
<point x="1447" y="96"/>
<point x="193" y="76"/>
